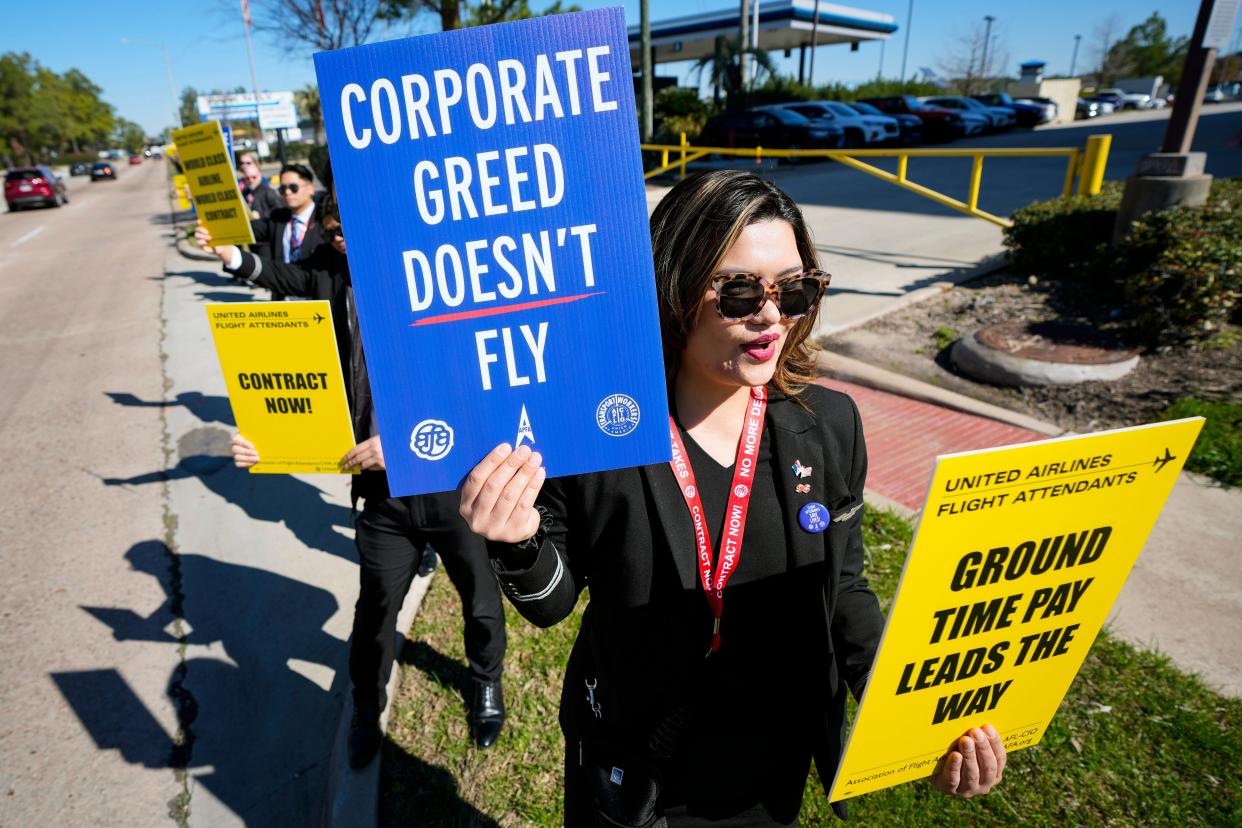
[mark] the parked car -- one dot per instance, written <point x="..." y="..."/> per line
<point x="103" y="169"/>
<point x="938" y="124"/>
<point x="25" y="186"/>
<point x="135" y="159"/>
<point x="997" y="118"/>
<point x="80" y="169"/>
<point x="1086" y="109"/>
<point x="1025" y="114"/>
<point x="910" y="126"/>
<point x="1051" y="108"/>
<point x="859" y="129"/>
<point x="1215" y="94"/>
<point x="773" y="128"/>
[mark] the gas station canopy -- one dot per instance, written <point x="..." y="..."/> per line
<point x="783" y="24"/>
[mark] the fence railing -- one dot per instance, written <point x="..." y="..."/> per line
<point x="1083" y="165"/>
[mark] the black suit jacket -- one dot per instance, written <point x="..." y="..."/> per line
<point x="627" y="535"/>
<point x="262" y="199"/>
<point x="269" y="238"/>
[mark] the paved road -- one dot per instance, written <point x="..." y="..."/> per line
<point x="113" y="712"/>
<point x="85" y="723"/>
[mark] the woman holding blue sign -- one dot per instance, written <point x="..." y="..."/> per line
<point x="764" y="494"/>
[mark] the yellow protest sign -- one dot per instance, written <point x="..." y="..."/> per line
<point x="1019" y="554"/>
<point x="283" y="374"/>
<point x="217" y="197"/>
<point x="179" y="184"/>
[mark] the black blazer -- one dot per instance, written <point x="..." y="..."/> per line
<point x="269" y="238"/>
<point x="627" y="535"/>
<point x="262" y="199"/>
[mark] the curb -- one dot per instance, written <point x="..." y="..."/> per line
<point x="352" y="799"/>
<point x="984" y="267"/>
<point x="189" y="252"/>
<point x="840" y="367"/>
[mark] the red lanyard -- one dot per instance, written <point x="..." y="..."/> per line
<point x="735" y="512"/>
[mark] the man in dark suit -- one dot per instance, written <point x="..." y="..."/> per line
<point x="292" y="231"/>
<point x="259" y="195"/>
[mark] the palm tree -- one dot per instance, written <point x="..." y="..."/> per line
<point x="307" y="99"/>
<point x="724" y="68"/>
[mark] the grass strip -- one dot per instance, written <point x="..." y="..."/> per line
<point x="1135" y="742"/>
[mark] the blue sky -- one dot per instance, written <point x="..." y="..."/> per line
<point x="207" y="49"/>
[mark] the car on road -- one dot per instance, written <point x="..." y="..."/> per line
<point x="101" y="170"/>
<point x="1051" y="108"/>
<point x="910" y="127"/>
<point x="28" y="186"/>
<point x="775" y="129"/>
<point x="998" y="118"/>
<point x="80" y="169"/>
<point x="859" y="129"/>
<point x="135" y="159"/>
<point x="1026" y="114"/>
<point x="938" y="124"/>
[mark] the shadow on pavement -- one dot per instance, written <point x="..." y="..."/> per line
<point x="207" y="408"/>
<point x="272" y="498"/>
<point x="256" y="732"/>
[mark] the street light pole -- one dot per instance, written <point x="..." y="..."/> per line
<point x="172" y="85"/>
<point x="814" y="42"/>
<point x="1074" y="57"/>
<point x="987" y="37"/>
<point x="905" y="49"/>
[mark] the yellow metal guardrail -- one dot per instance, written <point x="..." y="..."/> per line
<point x="1086" y="165"/>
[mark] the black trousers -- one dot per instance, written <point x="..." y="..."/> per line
<point x="390" y="536"/>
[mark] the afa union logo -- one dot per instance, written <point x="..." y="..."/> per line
<point x="617" y="415"/>
<point x="431" y="439"/>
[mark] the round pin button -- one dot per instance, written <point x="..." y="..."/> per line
<point x="813" y="517"/>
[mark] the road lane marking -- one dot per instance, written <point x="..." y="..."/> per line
<point x="28" y="236"/>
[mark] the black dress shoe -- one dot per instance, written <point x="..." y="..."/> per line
<point x="487" y="714"/>
<point x="364" y="738"/>
<point x="429" y="562"/>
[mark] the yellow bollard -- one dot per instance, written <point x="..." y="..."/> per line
<point x="901" y="166"/>
<point x="976" y="178"/>
<point x="663" y="158"/>
<point x="1094" y="161"/>
<point x="758" y="155"/>
<point x="684" y="144"/>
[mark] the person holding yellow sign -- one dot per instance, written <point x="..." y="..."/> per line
<point x="685" y="702"/>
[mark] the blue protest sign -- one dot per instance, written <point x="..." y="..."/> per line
<point x="227" y="131"/>
<point x="491" y="193"/>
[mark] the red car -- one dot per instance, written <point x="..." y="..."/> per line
<point x="33" y="185"/>
<point x="135" y="159"/>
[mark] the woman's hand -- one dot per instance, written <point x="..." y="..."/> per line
<point x="203" y="236"/>
<point x="367" y="455"/>
<point x="498" y="498"/>
<point x="973" y="765"/>
<point x="244" y="453"/>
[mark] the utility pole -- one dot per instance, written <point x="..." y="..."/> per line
<point x="743" y="44"/>
<point x="1175" y="175"/>
<point x="987" y="37"/>
<point x="815" y="42"/>
<point x="905" y="49"/>
<point x="172" y="85"/>
<point x="1074" y="57"/>
<point x="754" y="41"/>
<point x="879" y="72"/>
<point x="644" y="45"/>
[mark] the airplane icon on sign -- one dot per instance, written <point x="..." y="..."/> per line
<point x="318" y="318"/>
<point x="1161" y="462"/>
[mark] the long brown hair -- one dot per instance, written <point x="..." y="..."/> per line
<point x="692" y="230"/>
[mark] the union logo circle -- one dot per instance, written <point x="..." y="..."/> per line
<point x="617" y="415"/>
<point x="690" y="491"/>
<point x="431" y="439"/>
<point x="740" y="490"/>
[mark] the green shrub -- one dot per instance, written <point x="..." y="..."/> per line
<point x="678" y="109"/>
<point x="1218" y="453"/>
<point x="1065" y="237"/>
<point x="945" y="336"/>
<point x="1181" y="270"/>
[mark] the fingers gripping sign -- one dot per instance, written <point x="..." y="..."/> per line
<point x="498" y="498"/>
<point x="973" y="766"/>
<point x="245" y="454"/>
<point x="366" y="456"/>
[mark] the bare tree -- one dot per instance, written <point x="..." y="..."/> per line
<point x="320" y="24"/>
<point x="971" y="63"/>
<point x="1104" y="36"/>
